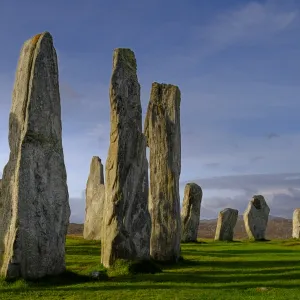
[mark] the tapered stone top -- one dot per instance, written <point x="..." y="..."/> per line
<point x="34" y="200"/>
<point x="162" y="129"/>
<point x="226" y="222"/>
<point x="296" y="223"/>
<point x="95" y="198"/>
<point x="127" y="221"/>
<point x="124" y="59"/>
<point x="256" y="217"/>
<point x="190" y="212"/>
<point x="96" y="172"/>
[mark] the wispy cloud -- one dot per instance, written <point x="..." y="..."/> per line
<point x="68" y="92"/>
<point x="254" y="182"/>
<point x="254" y="22"/>
<point x="100" y="131"/>
<point x="212" y="165"/>
<point x="272" y="135"/>
<point x="256" y="158"/>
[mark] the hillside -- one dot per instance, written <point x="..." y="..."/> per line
<point x="278" y="228"/>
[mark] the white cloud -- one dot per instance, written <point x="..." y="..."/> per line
<point x="281" y="192"/>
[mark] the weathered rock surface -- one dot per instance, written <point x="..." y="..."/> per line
<point x="126" y="220"/>
<point x="190" y="212"/>
<point x="162" y="129"/>
<point x="296" y="223"/>
<point x="256" y="217"/>
<point x="95" y="198"/>
<point x="226" y="222"/>
<point x="34" y="199"/>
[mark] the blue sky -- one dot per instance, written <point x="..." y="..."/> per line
<point x="236" y="63"/>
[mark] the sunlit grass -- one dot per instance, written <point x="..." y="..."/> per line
<point x="211" y="270"/>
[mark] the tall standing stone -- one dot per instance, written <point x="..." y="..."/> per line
<point x="226" y="222"/>
<point x="127" y="220"/>
<point x="296" y="223"/>
<point x="162" y="129"/>
<point x="256" y="217"/>
<point x="34" y="200"/>
<point x="190" y="212"/>
<point x="0" y="202"/>
<point x="95" y="198"/>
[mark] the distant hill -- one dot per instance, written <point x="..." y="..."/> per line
<point x="278" y="228"/>
<point x="75" y="229"/>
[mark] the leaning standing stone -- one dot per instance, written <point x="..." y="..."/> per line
<point x="127" y="223"/>
<point x="226" y="222"/>
<point x="256" y="218"/>
<point x="296" y="223"/>
<point x="95" y="198"/>
<point x="34" y="198"/>
<point x="162" y="129"/>
<point x="190" y="212"/>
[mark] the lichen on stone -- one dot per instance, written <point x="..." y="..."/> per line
<point x="35" y="39"/>
<point x="126" y="57"/>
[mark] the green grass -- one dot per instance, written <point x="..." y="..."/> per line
<point x="211" y="270"/>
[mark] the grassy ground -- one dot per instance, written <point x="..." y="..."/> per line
<point x="210" y="270"/>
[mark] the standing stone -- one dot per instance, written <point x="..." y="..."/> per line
<point x="226" y="222"/>
<point x="190" y="212"/>
<point x="127" y="220"/>
<point x="256" y="217"/>
<point x="296" y="223"/>
<point x="162" y="129"/>
<point x="95" y="198"/>
<point x="34" y="198"/>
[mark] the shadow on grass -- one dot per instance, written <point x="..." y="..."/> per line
<point x="231" y="242"/>
<point x="235" y="252"/>
<point x="83" y="250"/>
<point x="186" y="274"/>
<point x="193" y="242"/>
<point x="66" y="278"/>
<point x="238" y="265"/>
<point x="229" y="274"/>
<point x="153" y="286"/>
<point x="208" y="278"/>
<point x="123" y="267"/>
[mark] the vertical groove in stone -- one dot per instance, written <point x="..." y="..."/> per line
<point x="34" y="198"/>
<point x="127" y="224"/>
<point x="162" y="130"/>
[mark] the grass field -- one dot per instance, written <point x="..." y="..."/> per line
<point x="210" y="270"/>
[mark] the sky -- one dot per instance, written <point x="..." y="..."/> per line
<point x="236" y="63"/>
